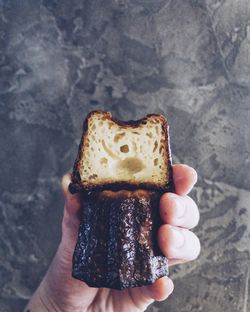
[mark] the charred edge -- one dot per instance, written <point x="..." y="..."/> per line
<point x="128" y="123"/>
<point x="169" y="159"/>
<point x="118" y="286"/>
<point x="116" y="186"/>
<point x="74" y="188"/>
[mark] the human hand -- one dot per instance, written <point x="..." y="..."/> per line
<point x="60" y="292"/>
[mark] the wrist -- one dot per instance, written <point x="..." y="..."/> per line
<point x="57" y="291"/>
<point x="39" y="302"/>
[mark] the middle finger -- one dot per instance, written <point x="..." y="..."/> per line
<point x="177" y="243"/>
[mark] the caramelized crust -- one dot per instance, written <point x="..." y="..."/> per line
<point x="117" y="242"/>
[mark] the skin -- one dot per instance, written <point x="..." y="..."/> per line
<point x="58" y="291"/>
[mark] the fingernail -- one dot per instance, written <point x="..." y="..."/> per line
<point x="178" y="238"/>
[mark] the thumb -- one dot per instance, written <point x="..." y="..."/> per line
<point x="72" y="201"/>
<point x="68" y="291"/>
<point x="71" y="215"/>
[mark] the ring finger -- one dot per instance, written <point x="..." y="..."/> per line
<point x="178" y="244"/>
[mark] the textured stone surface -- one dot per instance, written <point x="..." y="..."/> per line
<point x="186" y="59"/>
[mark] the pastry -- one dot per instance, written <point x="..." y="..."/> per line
<point x="121" y="170"/>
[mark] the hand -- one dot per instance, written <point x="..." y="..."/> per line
<point x="60" y="292"/>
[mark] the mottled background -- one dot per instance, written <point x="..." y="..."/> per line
<point x="188" y="59"/>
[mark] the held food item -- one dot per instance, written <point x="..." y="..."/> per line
<point x="121" y="170"/>
<point x="123" y="155"/>
<point x="117" y="245"/>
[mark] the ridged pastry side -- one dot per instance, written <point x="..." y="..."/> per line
<point x="117" y="245"/>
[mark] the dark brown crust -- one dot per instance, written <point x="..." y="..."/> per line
<point x="117" y="240"/>
<point x="77" y="186"/>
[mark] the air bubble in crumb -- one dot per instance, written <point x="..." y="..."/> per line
<point x="118" y="136"/>
<point x="103" y="161"/>
<point x="155" y="146"/>
<point x="93" y="176"/>
<point x="124" y="148"/>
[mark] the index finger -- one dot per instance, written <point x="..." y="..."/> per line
<point x="185" y="178"/>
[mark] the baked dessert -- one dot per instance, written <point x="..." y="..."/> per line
<point x="117" y="245"/>
<point x="116" y="155"/>
<point x="121" y="170"/>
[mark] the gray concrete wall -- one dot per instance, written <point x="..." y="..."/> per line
<point x="187" y="59"/>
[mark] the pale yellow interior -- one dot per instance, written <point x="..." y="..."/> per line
<point x="112" y="152"/>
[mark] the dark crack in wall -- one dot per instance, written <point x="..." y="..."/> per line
<point x="186" y="59"/>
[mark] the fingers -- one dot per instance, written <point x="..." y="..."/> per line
<point x="179" y="210"/>
<point x="178" y="243"/>
<point x="160" y="290"/>
<point x="185" y="178"/>
<point x="143" y="296"/>
<point x="179" y="213"/>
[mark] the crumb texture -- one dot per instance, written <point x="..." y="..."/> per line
<point x="118" y="153"/>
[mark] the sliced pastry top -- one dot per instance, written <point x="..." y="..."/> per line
<point x="117" y="155"/>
